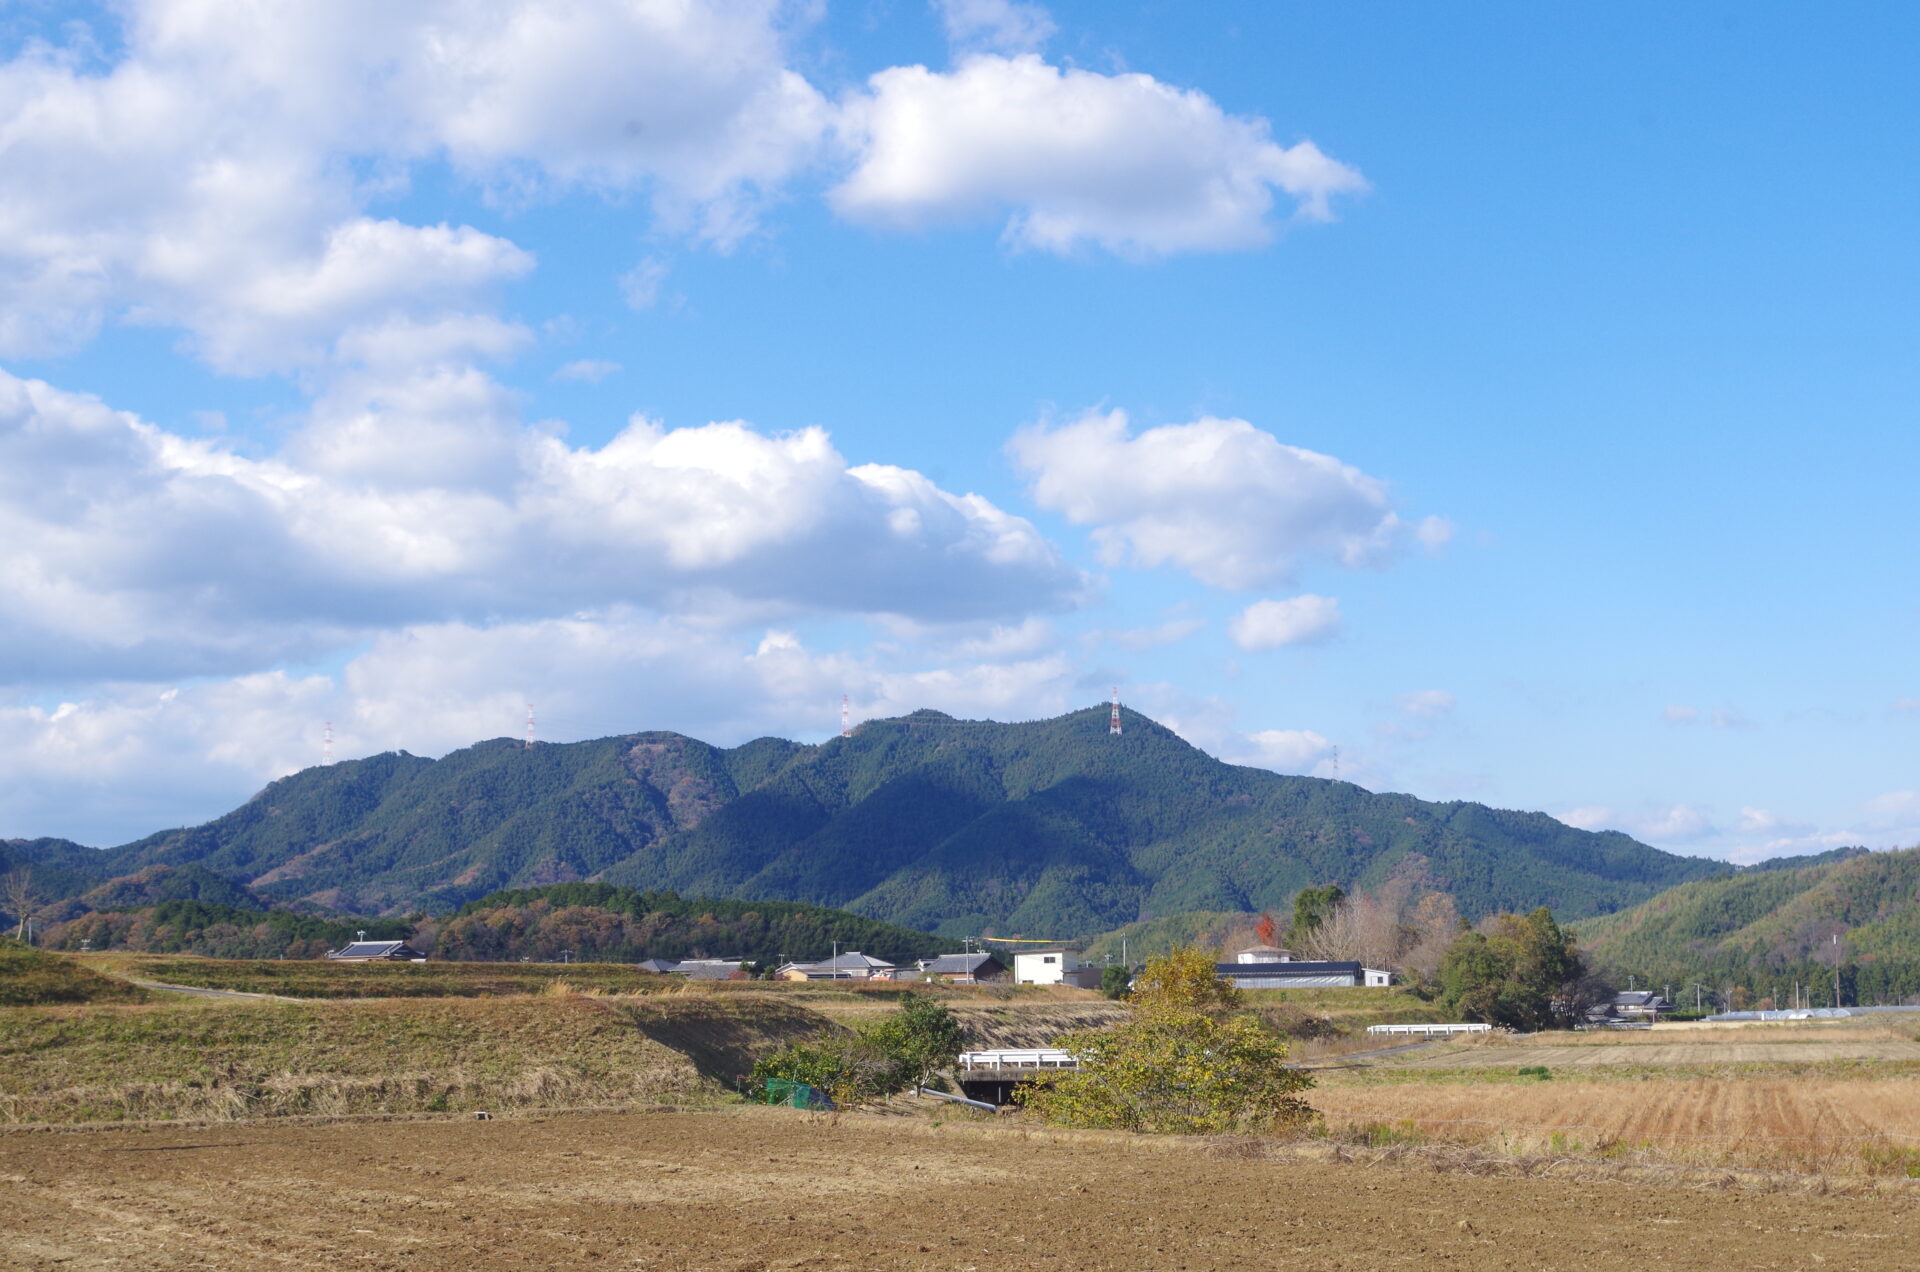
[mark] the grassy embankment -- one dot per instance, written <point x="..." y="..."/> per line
<point x="226" y="1061"/>
<point x="31" y="977"/>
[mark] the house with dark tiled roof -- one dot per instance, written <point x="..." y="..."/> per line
<point x="376" y="952"/>
<point x="1259" y="968"/>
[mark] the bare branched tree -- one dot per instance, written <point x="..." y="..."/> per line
<point x="20" y="897"/>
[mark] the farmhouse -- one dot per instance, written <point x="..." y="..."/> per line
<point x="853" y="965"/>
<point x="710" y="969"/>
<point x="963" y="969"/>
<point x="1054" y="967"/>
<point x="1269" y="967"/>
<point x="377" y="952"/>
<point x="656" y="965"/>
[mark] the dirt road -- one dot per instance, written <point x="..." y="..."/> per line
<point x="765" y="1189"/>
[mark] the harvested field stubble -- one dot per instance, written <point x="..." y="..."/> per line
<point x="776" y="1190"/>
<point x="1832" y="1126"/>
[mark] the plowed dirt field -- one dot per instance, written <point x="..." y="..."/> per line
<point x="762" y="1189"/>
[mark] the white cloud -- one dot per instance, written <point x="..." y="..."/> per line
<point x="1290" y="751"/>
<point x="995" y="26"/>
<point x="1427" y="702"/>
<point x="1728" y="718"/>
<point x="1297" y="620"/>
<point x="640" y="286"/>
<point x="1072" y="157"/>
<point x="134" y="552"/>
<point x="1661" y="826"/>
<point x="1677" y="714"/>
<point x="1221" y="499"/>
<point x="586" y="371"/>
<point x="1907" y="704"/>
<point x="1434" y="533"/>
<point x="216" y="175"/>
<point x="149" y="756"/>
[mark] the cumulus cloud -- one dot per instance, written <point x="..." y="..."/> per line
<point x="1677" y="714"/>
<point x="216" y="175"/>
<point x="135" y="552"/>
<point x="1072" y="157"/>
<point x="1227" y="502"/>
<point x="1297" y="620"/>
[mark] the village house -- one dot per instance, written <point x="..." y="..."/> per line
<point x="1270" y="967"/>
<point x="711" y="969"/>
<point x="853" y="965"/>
<point x="364" y="951"/>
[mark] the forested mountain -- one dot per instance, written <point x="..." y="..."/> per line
<point x="1764" y="928"/>
<point x="1050" y="828"/>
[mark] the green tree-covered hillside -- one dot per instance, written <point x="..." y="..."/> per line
<point x="1762" y="929"/>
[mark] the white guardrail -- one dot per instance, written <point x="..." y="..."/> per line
<point x="1034" y="1058"/>
<point x="1427" y="1031"/>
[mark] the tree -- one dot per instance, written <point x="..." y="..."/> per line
<point x="922" y="1036"/>
<point x="1186" y="979"/>
<point x="1116" y="981"/>
<point x="20" y="896"/>
<point x="1184" y="1062"/>
<point x="1311" y="908"/>
<point x="1519" y="972"/>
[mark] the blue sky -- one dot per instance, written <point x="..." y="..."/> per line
<point x="1519" y="401"/>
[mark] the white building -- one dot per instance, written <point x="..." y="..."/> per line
<point x="1054" y="967"/>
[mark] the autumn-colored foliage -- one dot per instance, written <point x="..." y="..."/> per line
<point x="1184" y="1062"/>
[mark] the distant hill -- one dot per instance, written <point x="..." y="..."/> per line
<point x="1051" y="828"/>
<point x="1772" y="925"/>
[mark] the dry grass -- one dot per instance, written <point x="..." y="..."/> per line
<point x="31" y="977"/>
<point x="223" y="1062"/>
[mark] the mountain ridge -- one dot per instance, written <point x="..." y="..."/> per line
<point x="956" y="826"/>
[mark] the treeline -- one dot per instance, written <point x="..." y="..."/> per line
<point x="219" y="931"/>
<point x="599" y="922"/>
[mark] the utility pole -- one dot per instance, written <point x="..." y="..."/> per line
<point x="1836" y="971"/>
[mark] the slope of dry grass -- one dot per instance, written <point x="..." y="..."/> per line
<point x="229" y="1061"/>
<point x="31" y="977"/>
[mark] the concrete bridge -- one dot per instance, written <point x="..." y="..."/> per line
<point x="992" y="1076"/>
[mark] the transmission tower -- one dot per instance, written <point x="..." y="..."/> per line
<point x="326" y="744"/>
<point x="846" y="718"/>
<point x="1113" y="720"/>
<point x="529" y="745"/>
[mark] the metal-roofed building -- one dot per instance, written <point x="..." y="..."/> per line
<point x="853" y="965"/>
<point x="377" y="952"/>
<point x="1300" y="974"/>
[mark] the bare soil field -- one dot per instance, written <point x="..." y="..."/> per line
<point x="757" y="1190"/>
